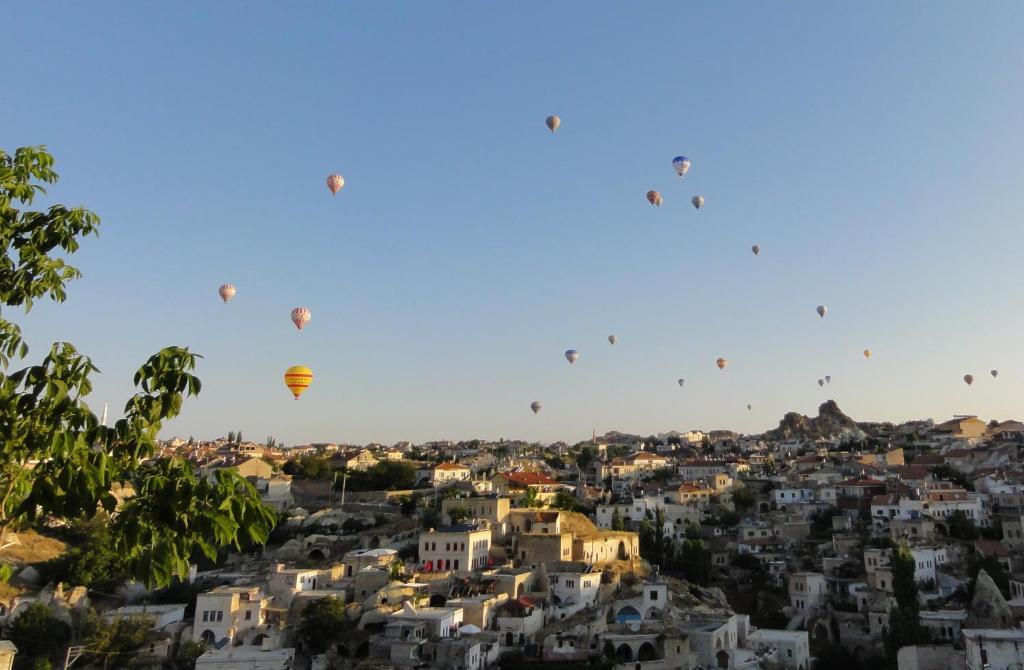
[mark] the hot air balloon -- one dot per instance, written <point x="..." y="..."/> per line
<point x="698" y="201"/>
<point x="226" y="291"/>
<point x="828" y="379"/>
<point x="300" y="317"/>
<point x="867" y="353"/>
<point x="682" y="381"/>
<point x="553" y="122"/>
<point x="969" y="379"/>
<point x="571" y="355"/>
<point x="612" y="339"/>
<point x="822" y="311"/>
<point x="994" y="373"/>
<point x="721" y="363"/>
<point x="821" y="382"/>
<point x="535" y="406"/>
<point x="335" y="183"/>
<point x="654" y="198"/>
<point x="681" y="164"/>
<point x="756" y="249"/>
<point x="749" y="407"/>
<point x="298" y="378"/>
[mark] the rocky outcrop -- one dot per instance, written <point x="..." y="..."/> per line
<point x="830" y="423"/>
<point x="988" y="608"/>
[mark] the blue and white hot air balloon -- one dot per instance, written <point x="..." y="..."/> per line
<point x="571" y="355"/>
<point x="681" y="165"/>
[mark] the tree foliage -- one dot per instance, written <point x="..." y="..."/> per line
<point x="743" y="498"/>
<point x="45" y="421"/>
<point x="323" y="622"/>
<point x="904" y="587"/>
<point x="37" y="634"/>
<point x="111" y="644"/>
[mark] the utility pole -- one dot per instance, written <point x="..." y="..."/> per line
<point x="344" y="481"/>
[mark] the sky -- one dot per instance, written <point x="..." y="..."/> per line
<point x="872" y="150"/>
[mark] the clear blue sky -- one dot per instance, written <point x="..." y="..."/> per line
<point x="872" y="150"/>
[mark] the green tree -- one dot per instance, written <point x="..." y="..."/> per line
<point x="904" y="587"/>
<point x="567" y="501"/>
<point x="47" y="422"/>
<point x="308" y="466"/>
<point x="323" y="622"/>
<point x="92" y="561"/>
<point x="37" y="634"/>
<point x="231" y="437"/>
<point x="112" y="645"/>
<point x="961" y="527"/>
<point x="586" y="457"/>
<point x="903" y="630"/>
<point x="458" y="514"/>
<point x="743" y="498"/>
<point x="617" y="523"/>
<point x="238" y="437"/>
<point x="946" y="472"/>
<point x="530" y="498"/>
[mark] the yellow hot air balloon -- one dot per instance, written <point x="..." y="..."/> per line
<point x="298" y="378"/>
<point x="867" y="353"/>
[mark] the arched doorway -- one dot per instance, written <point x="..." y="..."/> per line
<point x="208" y="637"/>
<point x="764" y="507"/>
<point x="627" y="614"/>
<point x="437" y="600"/>
<point x="258" y="640"/>
<point x="363" y="650"/>
<point x="342" y="651"/>
<point x="317" y="554"/>
<point x="723" y="659"/>
<point x="646" y="652"/>
<point x="375" y="542"/>
<point x="624" y="654"/>
<point x="622" y="556"/>
<point x="508" y="639"/>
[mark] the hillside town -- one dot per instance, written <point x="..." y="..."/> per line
<point x="824" y="542"/>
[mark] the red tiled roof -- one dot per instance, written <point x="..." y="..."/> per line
<point x="887" y="499"/>
<point x="991" y="548"/>
<point x="529" y="478"/>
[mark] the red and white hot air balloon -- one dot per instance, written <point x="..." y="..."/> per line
<point x="300" y="317"/>
<point x="654" y="198"/>
<point x="335" y="183"/>
<point x="226" y="291"/>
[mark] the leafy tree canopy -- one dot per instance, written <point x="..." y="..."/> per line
<point x="44" y="418"/>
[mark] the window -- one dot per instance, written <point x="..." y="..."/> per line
<point x="654" y="595"/>
<point x="789" y="653"/>
<point x="456" y="564"/>
<point x="220" y="615"/>
<point x="206" y="615"/>
<point x="248" y="615"/>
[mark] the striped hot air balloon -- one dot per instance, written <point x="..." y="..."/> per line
<point x="226" y="291"/>
<point x="298" y="378"/>
<point x="300" y="317"/>
<point x="654" y="198"/>
<point x="335" y="183"/>
<point x="553" y="122"/>
<point x="571" y="355"/>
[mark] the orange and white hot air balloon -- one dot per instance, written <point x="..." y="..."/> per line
<point x="654" y="198"/>
<point x="867" y="353"/>
<point x="335" y="183"/>
<point x="721" y="363"/>
<point x="300" y="317"/>
<point x="226" y="291"/>
<point x="298" y="378"/>
<point x="553" y="122"/>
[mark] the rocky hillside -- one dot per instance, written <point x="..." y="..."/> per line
<point x="830" y="423"/>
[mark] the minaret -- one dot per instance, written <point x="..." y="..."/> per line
<point x="103" y="419"/>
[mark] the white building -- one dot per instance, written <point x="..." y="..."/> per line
<point x="246" y="658"/>
<point x="992" y="648"/>
<point x="574" y="586"/>
<point x="461" y="548"/>
<point x="289" y="581"/>
<point x="226" y="612"/>
<point x="439" y="621"/>
<point x="806" y="590"/>
<point x="793" y="646"/>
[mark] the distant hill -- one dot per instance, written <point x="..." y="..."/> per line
<point x="830" y="423"/>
